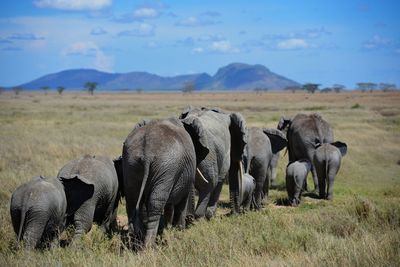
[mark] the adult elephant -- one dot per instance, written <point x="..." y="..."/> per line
<point x="159" y="161"/>
<point x="97" y="203"/>
<point x="39" y="208"/>
<point x="262" y="145"/>
<point x="305" y="133"/>
<point x="227" y="136"/>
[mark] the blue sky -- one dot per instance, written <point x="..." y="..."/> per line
<point x="325" y="42"/>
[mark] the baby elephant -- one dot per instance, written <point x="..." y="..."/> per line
<point x="296" y="175"/>
<point x="98" y="201"/>
<point x="38" y="211"/>
<point x="327" y="160"/>
<point x="248" y="187"/>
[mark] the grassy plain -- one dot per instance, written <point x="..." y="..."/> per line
<point x="360" y="227"/>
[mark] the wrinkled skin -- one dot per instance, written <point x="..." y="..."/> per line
<point x="262" y="145"/>
<point x="227" y="136"/>
<point x="159" y="166"/>
<point x="248" y="187"/>
<point x="327" y="161"/>
<point x="304" y="134"/>
<point x="296" y="175"/>
<point x="38" y="211"/>
<point x="95" y="198"/>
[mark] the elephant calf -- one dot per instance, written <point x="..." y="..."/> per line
<point x="296" y="175"/>
<point x="248" y="186"/>
<point x="95" y="198"/>
<point x="38" y="210"/>
<point x="327" y="160"/>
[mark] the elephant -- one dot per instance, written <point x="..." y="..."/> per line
<point x="296" y="175"/>
<point x="97" y="203"/>
<point x="39" y="208"/>
<point x="38" y="211"/>
<point x="327" y="161"/>
<point x="227" y="136"/>
<point x="248" y="187"/>
<point x="159" y="160"/>
<point x="275" y="156"/>
<point x="262" y="145"/>
<point x="304" y="134"/>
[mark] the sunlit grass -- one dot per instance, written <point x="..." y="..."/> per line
<point x="38" y="134"/>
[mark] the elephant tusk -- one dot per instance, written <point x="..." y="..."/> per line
<point x="201" y="175"/>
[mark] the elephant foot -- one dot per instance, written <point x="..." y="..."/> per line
<point x="209" y="214"/>
<point x="328" y="197"/>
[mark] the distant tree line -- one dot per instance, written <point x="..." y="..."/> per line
<point x="337" y="88"/>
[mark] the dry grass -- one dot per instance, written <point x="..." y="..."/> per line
<point x="361" y="226"/>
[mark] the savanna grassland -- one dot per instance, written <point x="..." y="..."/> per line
<point x="360" y="227"/>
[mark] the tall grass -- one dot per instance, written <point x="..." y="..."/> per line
<point x="360" y="227"/>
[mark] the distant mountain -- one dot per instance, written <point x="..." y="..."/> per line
<point x="235" y="76"/>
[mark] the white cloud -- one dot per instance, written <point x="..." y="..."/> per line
<point x="198" y="50"/>
<point x="140" y="30"/>
<point x="98" y="31"/>
<point x="75" y="5"/>
<point x="145" y="12"/>
<point x="194" y="21"/>
<point x="90" y="49"/>
<point x="223" y="47"/>
<point x="292" y="44"/>
<point x="151" y="44"/>
<point x="377" y="42"/>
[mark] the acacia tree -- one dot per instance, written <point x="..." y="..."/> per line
<point x="90" y="87"/>
<point x="311" y="87"/>
<point x="60" y="90"/>
<point x="17" y="90"/>
<point x="188" y="87"/>
<point x="365" y="86"/>
<point x="338" y="88"/>
<point x="386" y="87"/>
<point x="45" y="89"/>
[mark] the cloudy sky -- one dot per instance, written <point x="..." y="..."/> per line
<point x="341" y="41"/>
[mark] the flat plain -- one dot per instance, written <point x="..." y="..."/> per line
<point x="359" y="227"/>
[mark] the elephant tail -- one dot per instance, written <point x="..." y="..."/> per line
<point x="145" y="177"/>
<point x="21" y="224"/>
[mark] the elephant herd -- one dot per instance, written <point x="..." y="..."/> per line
<point x="168" y="164"/>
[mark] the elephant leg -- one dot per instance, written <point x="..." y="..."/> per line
<point x="168" y="214"/>
<point x="83" y="219"/>
<point x="180" y="214"/>
<point x="212" y="204"/>
<point x="206" y="191"/>
<point x="320" y="170"/>
<point x="34" y="229"/>
<point x="331" y="176"/>
<point x="315" y="178"/>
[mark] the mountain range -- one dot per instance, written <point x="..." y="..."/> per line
<point x="235" y="76"/>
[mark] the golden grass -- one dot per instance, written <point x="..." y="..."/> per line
<point x="361" y="226"/>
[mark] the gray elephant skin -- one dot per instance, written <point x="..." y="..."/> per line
<point x="296" y="175"/>
<point x="159" y="161"/>
<point x="38" y="211"/>
<point x="95" y="199"/>
<point x="262" y="145"/>
<point x="327" y="161"/>
<point x="247" y="194"/>
<point x="304" y="134"/>
<point x="227" y="136"/>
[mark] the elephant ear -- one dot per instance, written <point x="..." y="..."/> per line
<point x="77" y="190"/>
<point x="141" y="124"/>
<point x="239" y="136"/>
<point x="185" y="112"/>
<point x="195" y="129"/>
<point x="283" y="123"/>
<point x="341" y="146"/>
<point x="277" y="138"/>
<point x="118" y="169"/>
